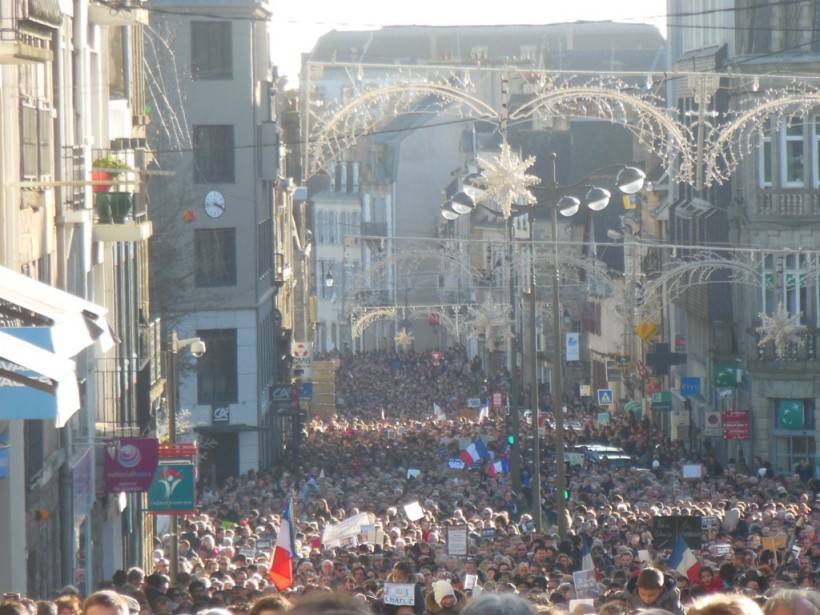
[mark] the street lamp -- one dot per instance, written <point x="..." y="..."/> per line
<point x="629" y="181"/>
<point x="557" y="199"/>
<point x="172" y="388"/>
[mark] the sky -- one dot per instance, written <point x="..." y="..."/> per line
<point x="297" y="24"/>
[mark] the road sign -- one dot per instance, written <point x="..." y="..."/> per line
<point x="662" y="401"/>
<point x="736" y="424"/>
<point x="689" y="387"/>
<point x="306" y="391"/>
<point x="604" y="397"/>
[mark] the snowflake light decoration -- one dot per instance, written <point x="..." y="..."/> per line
<point x="404" y="339"/>
<point x="492" y="322"/>
<point x="506" y="179"/>
<point x="781" y="329"/>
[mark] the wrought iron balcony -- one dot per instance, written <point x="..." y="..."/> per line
<point x="118" y="13"/>
<point x="793" y="353"/>
<point x="26" y="27"/>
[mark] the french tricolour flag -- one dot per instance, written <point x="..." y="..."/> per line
<point x="499" y="467"/>
<point x="684" y="561"/>
<point x="281" y="572"/>
<point x="474" y="452"/>
<point x="586" y="561"/>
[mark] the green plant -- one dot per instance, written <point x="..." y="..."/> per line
<point x="109" y="163"/>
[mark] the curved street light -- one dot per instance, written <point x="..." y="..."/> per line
<point x="557" y="199"/>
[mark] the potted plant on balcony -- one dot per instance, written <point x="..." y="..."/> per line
<point x="113" y="206"/>
<point x="106" y="168"/>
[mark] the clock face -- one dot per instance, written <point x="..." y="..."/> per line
<point x="214" y="204"/>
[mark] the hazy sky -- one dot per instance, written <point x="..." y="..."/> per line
<point x="298" y="23"/>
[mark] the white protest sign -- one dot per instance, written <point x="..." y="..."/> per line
<point x="470" y="581"/>
<point x="574" y="459"/>
<point x="586" y="586"/>
<point x="413" y="473"/>
<point x="414" y="511"/>
<point x="694" y="470"/>
<point x="400" y="594"/>
<point x="722" y="549"/>
<point x="248" y="552"/>
<point x="345" y="532"/>
<point x="457" y="540"/>
<point x="644" y="556"/>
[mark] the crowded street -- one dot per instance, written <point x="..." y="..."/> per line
<point x="379" y="512"/>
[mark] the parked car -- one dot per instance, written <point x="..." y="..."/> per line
<point x="615" y="456"/>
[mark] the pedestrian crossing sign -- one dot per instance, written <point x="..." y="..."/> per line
<point x="604" y="397"/>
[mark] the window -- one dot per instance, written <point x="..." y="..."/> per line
<point x="350" y="226"/>
<point x="791" y="139"/>
<point x="211" y="54"/>
<point x="768" y="284"/>
<point x="785" y="281"/>
<point x="815" y="154"/>
<point x="213" y="154"/>
<point x="35" y="133"/>
<point x="794" y="432"/>
<point x="217" y="379"/>
<point x="215" y="253"/>
<point x="764" y="168"/>
<point x="266" y="246"/>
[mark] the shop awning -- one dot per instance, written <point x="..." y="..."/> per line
<point x="44" y="328"/>
<point x="633" y="406"/>
<point x="35" y="383"/>
<point x="74" y="323"/>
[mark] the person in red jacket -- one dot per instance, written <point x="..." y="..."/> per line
<point x="710" y="582"/>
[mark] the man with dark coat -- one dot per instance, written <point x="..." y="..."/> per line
<point x="654" y="589"/>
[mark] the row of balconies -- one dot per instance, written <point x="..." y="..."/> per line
<point x="26" y="26"/>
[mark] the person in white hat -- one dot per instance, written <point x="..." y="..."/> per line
<point x="443" y="599"/>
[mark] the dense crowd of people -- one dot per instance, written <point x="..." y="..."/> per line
<point x="395" y="471"/>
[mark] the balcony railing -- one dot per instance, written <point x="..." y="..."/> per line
<point x="794" y="352"/>
<point x="25" y="30"/>
<point x="786" y="204"/>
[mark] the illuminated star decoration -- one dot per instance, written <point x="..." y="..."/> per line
<point x="781" y="329"/>
<point x="404" y="339"/>
<point x="505" y="179"/>
<point x="492" y="322"/>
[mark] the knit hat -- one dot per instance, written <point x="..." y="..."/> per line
<point x="442" y="589"/>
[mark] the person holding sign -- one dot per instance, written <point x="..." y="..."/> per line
<point x="402" y="574"/>
<point x="654" y="589"/>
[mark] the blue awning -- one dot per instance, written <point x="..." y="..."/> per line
<point x="35" y="383"/>
<point x="37" y="376"/>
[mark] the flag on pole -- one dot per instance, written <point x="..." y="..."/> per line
<point x="438" y="413"/>
<point x="684" y="561"/>
<point x="485" y="409"/>
<point x="586" y="559"/>
<point x="499" y="467"/>
<point x="281" y="572"/>
<point x="474" y="452"/>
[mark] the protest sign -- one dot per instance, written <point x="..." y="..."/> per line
<point x="399" y="594"/>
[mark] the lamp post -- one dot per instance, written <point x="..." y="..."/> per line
<point x="172" y="350"/>
<point x="557" y="199"/>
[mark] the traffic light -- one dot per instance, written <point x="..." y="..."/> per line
<point x="567" y="492"/>
<point x="511" y="429"/>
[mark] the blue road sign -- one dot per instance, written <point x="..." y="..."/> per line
<point x="689" y="387"/>
<point x="604" y="397"/>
